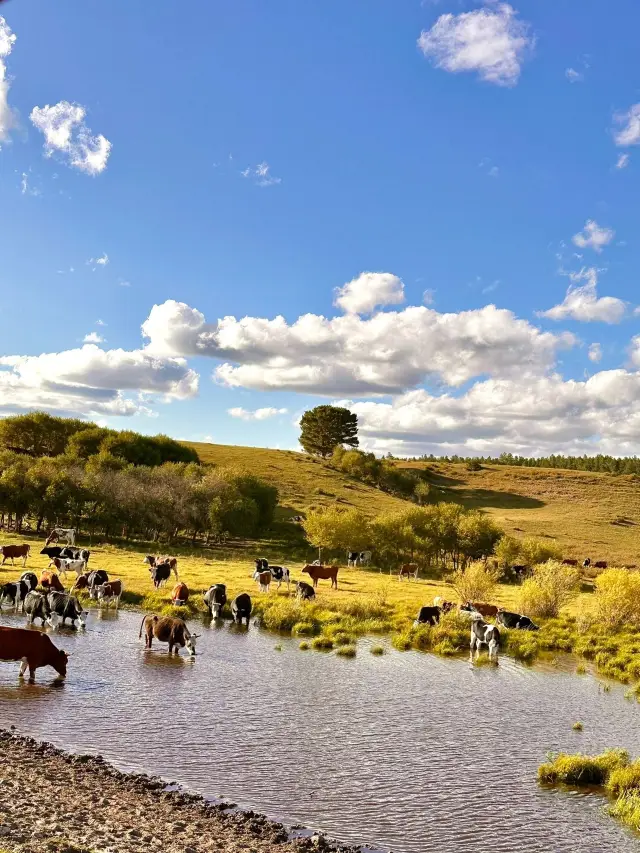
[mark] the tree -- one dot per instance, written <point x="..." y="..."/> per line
<point x="38" y="433"/>
<point x="552" y="586"/>
<point x="326" y="427"/>
<point x="337" y="529"/>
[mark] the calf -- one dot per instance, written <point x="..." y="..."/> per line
<point x="263" y="579"/>
<point x="483" y="634"/>
<point x="64" y="606"/>
<point x="36" y="606"/>
<point x="12" y="552"/>
<point x="409" y="570"/>
<point x="153" y="562"/>
<point x="180" y="594"/>
<point x="515" y="620"/>
<point x="64" y="565"/>
<point x="50" y="580"/>
<point x="30" y="579"/>
<point x="108" y="592"/>
<point x="160" y="574"/>
<point x="33" y="649"/>
<point x="489" y="611"/>
<point x="281" y="575"/>
<point x="168" y="629"/>
<point x="317" y="573"/>
<point x="14" y="593"/>
<point x="215" y="598"/>
<point x="304" y="591"/>
<point x="241" y="608"/>
<point x="428" y="616"/>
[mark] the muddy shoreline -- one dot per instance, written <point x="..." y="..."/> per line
<point x="55" y="802"/>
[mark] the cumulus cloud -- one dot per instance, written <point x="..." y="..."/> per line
<point x="546" y="415"/>
<point x="634" y="351"/>
<point x="370" y="290"/>
<point x="65" y="132"/>
<point x="7" y="117"/>
<point x="384" y="354"/>
<point x="491" y="41"/>
<point x="256" y="414"/>
<point x="93" y="338"/>
<point x="93" y="381"/>
<point x="593" y="236"/>
<point x="629" y="132"/>
<point x="261" y="175"/>
<point x="595" y="353"/>
<point x="582" y="302"/>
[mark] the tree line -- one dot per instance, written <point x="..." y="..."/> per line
<point x="600" y="463"/>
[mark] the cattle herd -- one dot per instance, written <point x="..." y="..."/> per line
<point x="44" y="598"/>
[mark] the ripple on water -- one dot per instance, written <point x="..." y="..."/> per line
<point x="406" y="751"/>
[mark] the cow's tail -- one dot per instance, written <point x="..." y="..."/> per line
<point x="144" y="619"/>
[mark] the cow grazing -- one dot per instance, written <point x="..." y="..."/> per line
<point x="304" y="591"/>
<point x="489" y="611"/>
<point x="601" y="564"/>
<point x="64" y="606"/>
<point x="409" y="570"/>
<point x="322" y="573"/>
<point x="36" y="606"/>
<point x="428" y="616"/>
<point x="62" y="534"/>
<point x="263" y="580"/>
<point x="180" y="594"/>
<point x="33" y="649"/>
<point x="168" y="629"/>
<point x="515" y="620"/>
<point x="586" y="563"/>
<point x="160" y="574"/>
<point x="215" y="598"/>
<point x="50" y="580"/>
<point x="445" y="606"/>
<point x="352" y="558"/>
<point x="14" y="593"/>
<point x="15" y="552"/>
<point x="68" y="553"/>
<point x="64" y="566"/>
<point x="569" y="562"/>
<point x="483" y="634"/>
<point x="241" y="608"/>
<point x="108" y="592"/>
<point x="165" y="560"/>
<point x="30" y="579"/>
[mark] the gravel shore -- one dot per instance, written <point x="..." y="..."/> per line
<point x="53" y="802"/>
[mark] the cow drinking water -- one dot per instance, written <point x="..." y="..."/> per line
<point x="241" y="608"/>
<point x="483" y="634"/>
<point x="168" y="629"/>
<point x="215" y="598"/>
<point x="33" y="649"/>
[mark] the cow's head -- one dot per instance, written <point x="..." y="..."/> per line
<point x="149" y="561"/>
<point x="306" y="570"/>
<point x="191" y="643"/>
<point x="60" y="663"/>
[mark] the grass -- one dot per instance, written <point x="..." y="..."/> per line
<point x="346" y="651"/>
<point x="377" y="650"/>
<point x="577" y="727"/>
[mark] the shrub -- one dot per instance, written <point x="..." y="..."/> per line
<point x="534" y="551"/>
<point x="346" y="651"/>
<point x="377" y="650"/>
<point x="304" y="629"/>
<point x="322" y="644"/>
<point x="582" y="769"/>
<point x="627" y="809"/>
<point x="507" y="551"/>
<point x="624" y="779"/>
<point x="476" y="582"/>
<point x="617" y="598"/>
<point x="577" y="727"/>
<point x="304" y="646"/>
<point x="552" y="586"/>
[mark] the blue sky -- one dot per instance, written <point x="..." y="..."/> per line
<point x="246" y="159"/>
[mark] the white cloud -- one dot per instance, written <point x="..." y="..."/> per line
<point x="595" y="353"/>
<point x="429" y="296"/>
<point x="491" y="41"/>
<point x="629" y="133"/>
<point x="261" y="174"/>
<point x="386" y="353"/>
<point x="100" y="323"/>
<point x="634" y="351"/>
<point x="102" y="261"/>
<point x="593" y="236"/>
<point x="93" y="338"/>
<point x="7" y="117"/>
<point x="370" y="290"/>
<point x="622" y="161"/>
<point x="26" y="188"/>
<point x="257" y="414"/>
<point x="546" y="415"/>
<point x="574" y="76"/>
<point x="65" y="131"/>
<point x="582" y="303"/>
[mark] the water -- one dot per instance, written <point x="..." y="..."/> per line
<point x="407" y="752"/>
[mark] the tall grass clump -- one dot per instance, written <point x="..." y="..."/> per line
<point x="617" y="598"/>
<point x="582" y="769"/>
<point x="476" y="582"/>
<point x="551" y="587"/>
<point x="627" y="809"/>
<point x="624" y="779"/>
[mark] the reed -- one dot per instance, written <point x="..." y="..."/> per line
<point x="582" y="769"/>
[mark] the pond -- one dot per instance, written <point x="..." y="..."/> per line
<point x="408" y="752"/>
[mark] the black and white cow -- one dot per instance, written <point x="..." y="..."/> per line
<point x="428" y="616"/>
<point x="215" y="598"/>
<point x="14" y="593"/>
<point x="280" y="574"/>
<point x="94" y="580"/>
<point x="483" y="634"/>
<point x="52" y="551"/>
<point x="30" y="579"/>
<point x="241" y="608"/>
<point x="160" y="574"/>
<point x="69" y="553"/>
<point x="352" y="558"/>
<point x="36" y="606"/>
<point x="515" y="620"/>
<point x="304" y="591"/>
<point x="364" y="558"/>
<point x="64" y="606"/>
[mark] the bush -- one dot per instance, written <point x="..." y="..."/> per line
<point x="377" y="650"/>
<point x="624" y="779"/>
<point x="583" y="769"/>
<point x="552" y="586"/>
<point x="346" y="651"/>
<point x="535" y="551"/>
<point x="476" y="582"/>
<point x="627" y="809"/>
<point x="322" y="644"/>
<point x="617" y="598"/>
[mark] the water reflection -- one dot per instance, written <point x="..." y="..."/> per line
<point x="405" y="751"/>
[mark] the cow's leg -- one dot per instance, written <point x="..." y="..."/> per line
<point x="23" y="666"/>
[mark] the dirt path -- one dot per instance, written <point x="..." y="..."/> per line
<point x="52" y="802"/>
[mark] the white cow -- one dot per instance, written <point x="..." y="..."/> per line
<point x="62" y="534"/>
<point x="65" y="565"/>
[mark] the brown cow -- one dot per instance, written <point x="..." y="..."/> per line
<point x="51" y="581"/>
<point x="34" y="649"/>
<point x="82" y="582"/>
<point x="322" y="573"/>
<point x="486" y="610"/>
<point x="601" y="564"/>
<point x="263" y="579"/>
<point x="170" y="630"/>
<point x="569" y="562"/>
<point x="180" y="594"/>
<point x="409" y="570"/>
<point x="10" y="552"/>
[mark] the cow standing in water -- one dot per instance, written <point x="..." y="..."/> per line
<point x="33" y="649"/>
<point x="241" y="608"/>
<point x="169" y="630"/>
<point x="483" y="634"/>
<point x="215" y="598"/>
